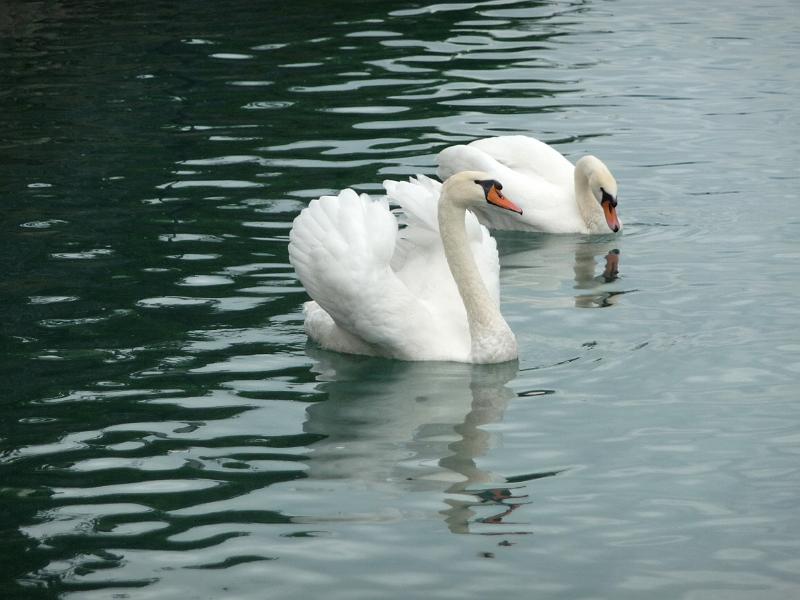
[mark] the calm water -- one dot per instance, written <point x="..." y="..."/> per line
<point x="165" y="431"/>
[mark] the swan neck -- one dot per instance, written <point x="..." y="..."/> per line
<point x="483" y="314"/>
<point x="583" y="196"/>
<point x="589" y="208"/>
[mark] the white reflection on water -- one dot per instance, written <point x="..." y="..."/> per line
<point x="391" y="430"/>
<point x="537" y="269"/>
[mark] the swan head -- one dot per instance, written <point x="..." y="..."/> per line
<point x="602" y="185"/>
<point x="474" y="189"/>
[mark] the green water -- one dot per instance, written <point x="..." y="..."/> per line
<point x="166" y="431"/>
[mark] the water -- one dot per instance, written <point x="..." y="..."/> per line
<point x="167" y="433"/>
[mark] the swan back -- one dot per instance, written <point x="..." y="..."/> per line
<point x="528" y="156"/>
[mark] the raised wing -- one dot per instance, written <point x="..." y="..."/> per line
<point x="341" y="248"/>
<point x="420" y="260"/>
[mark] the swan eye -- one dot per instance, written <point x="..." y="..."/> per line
<point x="608" y="198"/>
<point x="488" y="184"/>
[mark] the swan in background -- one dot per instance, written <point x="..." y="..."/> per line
<point x="427" y="292"/>
<point x="554" y="196"/>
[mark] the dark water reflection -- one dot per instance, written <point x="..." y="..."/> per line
<point x="165" y="431"/>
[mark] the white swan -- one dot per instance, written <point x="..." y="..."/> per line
<point x="555" y="196"/>
<point x="429" y="291"/>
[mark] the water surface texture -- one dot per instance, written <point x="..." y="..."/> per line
<point x="167" y="433"/>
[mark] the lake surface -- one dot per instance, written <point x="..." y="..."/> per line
<point x="167" y="433"/>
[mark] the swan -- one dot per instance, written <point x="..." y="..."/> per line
<point x="555" y="196"/>
<point x="428" y="291"/>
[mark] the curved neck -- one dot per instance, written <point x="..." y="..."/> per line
<point x="483" y="314"/>
<point x="588" y="206"/>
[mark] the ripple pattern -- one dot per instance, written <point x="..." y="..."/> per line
<point x="166" y="431"/>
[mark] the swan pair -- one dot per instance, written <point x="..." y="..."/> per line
<point x="431" y="290"/>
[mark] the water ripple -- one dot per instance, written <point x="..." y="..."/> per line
<point x="169" y="432"/>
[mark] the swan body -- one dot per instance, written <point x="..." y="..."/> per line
<point x="428" y="291"/>
<point x="554" y="195"/>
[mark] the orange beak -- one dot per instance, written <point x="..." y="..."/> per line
<point x="494" y="196"/>
<point x="610" y="211"/>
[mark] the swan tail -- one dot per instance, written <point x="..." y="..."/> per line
<point x="321" y="327"/>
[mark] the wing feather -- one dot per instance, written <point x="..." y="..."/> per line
<point x="420" y="243"/>
<point x="341" y="248"/>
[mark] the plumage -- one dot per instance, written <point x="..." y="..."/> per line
<point x="555" y="196"/>
<point x="381" y="290"/>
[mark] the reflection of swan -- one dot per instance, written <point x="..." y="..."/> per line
<point x="555" y="197"/>
<point x="432" y="295"/>
<point x="390" y="428"/>
<point x="559" y="270"/>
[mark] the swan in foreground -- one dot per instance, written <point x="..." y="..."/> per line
<point x="555" y="197"/>
<point x="428" y="291"/>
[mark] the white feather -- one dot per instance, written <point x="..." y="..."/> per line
<point x="539" y="179"/>
<point x="381" y="290"/>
